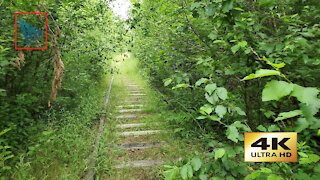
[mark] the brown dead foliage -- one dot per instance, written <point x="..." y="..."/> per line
<point x="19" y="61"/>
<point x="58" y="68"/>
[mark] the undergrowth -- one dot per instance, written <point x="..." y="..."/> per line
<point x="62" y="149"/>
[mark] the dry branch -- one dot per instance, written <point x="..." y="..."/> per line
<point x="58" y="68"/>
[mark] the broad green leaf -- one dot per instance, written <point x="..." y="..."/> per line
<point x="265" y="170"/>
<point x="309" y="112"/>
<point x="190" y="171"/>
<point x="275" y="90"/>
<point x="222" y="93"/>
<point x="181" y="86"/>
<point x="171" y="173"/>
<point x="210" y="88"/>
<point x="240" y="111"/>
<point x="274" y="65"/>
<point x="262" y="73"/>
<point x="195" y="5"/>
<point x="209" y="98"/>
<point x="201" y="81"/>
<point x="274" y="177"/>
<point x="213" y="36"/>
<point x="219" y="153"/>
<point x="220" y="110"/>
<point x="214" y="118"/>
<point x="268" y="114"/>
<point x="301" y="124"/>
<point x="206" y="109"/>
<point x="227" y="5"/>
<point x="307" y="95"/>
<point x="232" y="133"/>
<point x="235" y="48"/>
<point x="262" y="128"/>
<point x="277" y="66"/>
<point x="243" y="44"/>
<point x="167" y="82"/>
<point x="273" y="128"/>
<point x="210" y="10"/>
<point x="184" y="172"/>
<point x="287" y="115"/>
<point x="201" y="117"/>
<point x="238" y="124"/>
<point x="196" y="163"/>
<point x="203" y="177"/>
<point x="253" y="175"/>
<point x="230" y="178"/>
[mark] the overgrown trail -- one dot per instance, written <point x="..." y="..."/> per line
<point x="135" y="138"/>
<point x="136" y="129"/>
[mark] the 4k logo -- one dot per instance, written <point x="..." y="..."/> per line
<point x="270" y="147"/>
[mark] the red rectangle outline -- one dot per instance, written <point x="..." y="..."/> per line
<point x="15" y="31"/>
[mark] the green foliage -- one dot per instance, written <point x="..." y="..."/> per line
<point x="275" y="90"/>
<point x="5" y="153"/>
<point x="262" y="73"/>
<point x="271" y="128"/>
<point x="263" y="173"/>
<point x="232" y="133"/>
<point x="287" y="115"/>
<point x="224" y="60"/>
<point x="171" y="173"/>
<point x="53" y="141"/>
<point x="218" y="153"/>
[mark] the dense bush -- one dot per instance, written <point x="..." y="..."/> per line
<point x="238" y="66"/>
<point x="43" y="129"/>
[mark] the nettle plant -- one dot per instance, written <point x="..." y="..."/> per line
<point x="302" y="119"/>
<point x="218" y="108"/>
<point x="226" y="159"/>
<point x="276" y="90"/>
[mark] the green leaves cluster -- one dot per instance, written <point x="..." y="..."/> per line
<point x="89" y="36"/>
<point x="222" y="56"/>
<point x="187" y="171"/>
<point x="5" y="153"/>
<point x="307" y="96"/>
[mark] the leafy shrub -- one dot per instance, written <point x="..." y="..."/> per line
<point x="237" y="66"/>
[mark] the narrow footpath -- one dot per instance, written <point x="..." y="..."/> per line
<point x="137" y="138"/>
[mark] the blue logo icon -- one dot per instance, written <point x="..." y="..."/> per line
<point x="30" y="33"/>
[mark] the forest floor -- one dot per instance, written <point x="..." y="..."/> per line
<point x="137" y="138"/>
